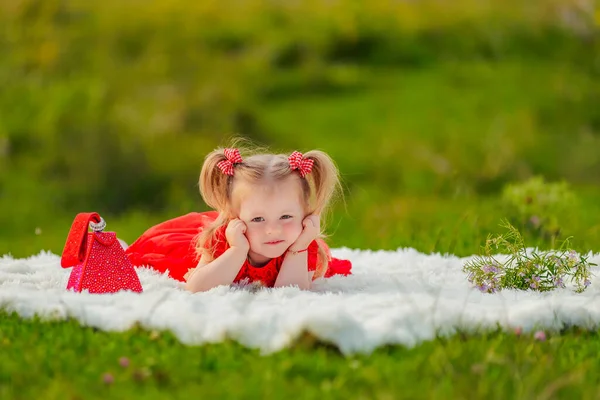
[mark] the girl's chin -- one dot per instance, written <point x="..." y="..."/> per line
<point x="266" y="255"/>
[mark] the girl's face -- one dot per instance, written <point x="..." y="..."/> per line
<point x="273" y="214"/>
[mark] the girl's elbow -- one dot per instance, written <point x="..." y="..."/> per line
<point x="190" y="288"/>
<point x="194" y="287"/>
<point x="196" y="282"/>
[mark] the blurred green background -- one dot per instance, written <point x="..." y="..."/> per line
<point x="430" y="109"/>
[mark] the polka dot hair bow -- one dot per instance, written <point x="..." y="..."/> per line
<point x="233" y="157"/>
<point x="303" y="165"/>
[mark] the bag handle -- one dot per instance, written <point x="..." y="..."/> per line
<point x="74" y="251"/>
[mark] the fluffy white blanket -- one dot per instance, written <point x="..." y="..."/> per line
<point x="394" y="297"/>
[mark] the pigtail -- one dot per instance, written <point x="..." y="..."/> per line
<point x="214" y="184"/>
<point x="215" y="189"/>
<point x="206" y="241"/>
<point x="324" y="180"/>
<point x="324" y="183"/>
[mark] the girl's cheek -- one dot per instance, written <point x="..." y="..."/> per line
<point x="293" y="228"/>
<point x="250" y="234"/>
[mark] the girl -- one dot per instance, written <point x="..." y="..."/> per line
<point x="266" y="227"/>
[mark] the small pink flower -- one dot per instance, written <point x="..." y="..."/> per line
<point x="535" y="221"/>
<point x="518" y="331"/>
<point x="539" y="335"/>
<point x="124" y="362"/>
<point x="108" y="378"/>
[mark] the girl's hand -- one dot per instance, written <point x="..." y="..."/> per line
<point x="311" y="229"/>
<point x="235" y="234"/>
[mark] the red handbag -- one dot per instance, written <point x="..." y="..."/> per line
<point x="99" y="262"/>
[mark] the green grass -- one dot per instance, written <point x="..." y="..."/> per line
<point x="454" y="128"/>
<point x="370" y="220"/>
<point x="59" y="360"/>
<point x="64" y="360"/>
<point x="429" y="112"/>
<point x="106" y="111"/>
<point x="386" y="142"/>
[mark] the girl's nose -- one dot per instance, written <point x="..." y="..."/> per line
<point x="273" y="228"/>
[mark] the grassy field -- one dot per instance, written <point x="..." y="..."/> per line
<point x="63" y="360"/>
<point x="430" y="112"/>
<point x="417" y="171"/>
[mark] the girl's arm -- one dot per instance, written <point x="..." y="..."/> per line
<point x="294" y="269"/>
<point x="221" y="271"/>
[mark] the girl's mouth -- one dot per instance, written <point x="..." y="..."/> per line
<point x="275" y="242"/>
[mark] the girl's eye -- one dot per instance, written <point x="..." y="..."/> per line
<point x="286" y="216"/>
<point x="257" y="219"/>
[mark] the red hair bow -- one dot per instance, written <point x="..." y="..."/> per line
<point x="233" y="157"/>
<point x="303" y="165"/>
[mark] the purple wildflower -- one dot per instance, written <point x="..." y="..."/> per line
<point x="556" y="260"/>
<point x="572" y="255"/>
<point x="535" y="282"/>
<point x="489" y="268"/>
<point x="587" y="283"/>
<point x="471" y="277"/>
<point x="558" y="282"/>
<point x="124" y="362"/>
<point x="539" y="335"/>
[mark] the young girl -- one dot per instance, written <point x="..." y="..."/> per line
<point x="266" y="227"/>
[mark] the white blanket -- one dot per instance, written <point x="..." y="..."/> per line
<point x="393" y="297"/>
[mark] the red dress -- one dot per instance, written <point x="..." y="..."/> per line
<point x="170" y="246"/>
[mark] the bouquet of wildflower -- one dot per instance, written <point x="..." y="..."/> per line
<point x="523" y="269"/>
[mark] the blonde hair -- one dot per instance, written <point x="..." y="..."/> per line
<point x="319" y="187"/>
